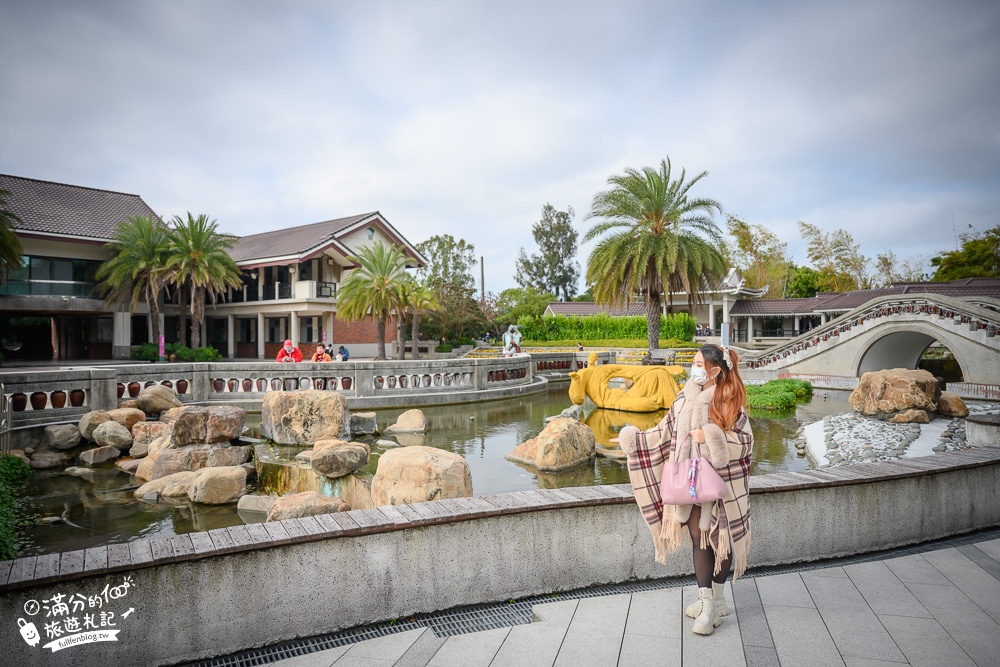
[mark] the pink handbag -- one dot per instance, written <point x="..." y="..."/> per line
<point x="691" y="482"/>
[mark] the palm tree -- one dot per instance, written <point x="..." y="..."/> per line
<point x="422" y="300"/>
<point x="137" y="267"/>
<point x="373" y="287"/>
<point x="661" y="241"/>
<point x="10" y="246"/>
<point x="198" y="259"/>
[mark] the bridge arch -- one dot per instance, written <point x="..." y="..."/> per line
<point x="900" y="346"/>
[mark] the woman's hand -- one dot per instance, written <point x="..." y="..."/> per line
<point x="698" y="436"/>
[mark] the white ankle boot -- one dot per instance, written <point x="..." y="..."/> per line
<point x="718" y="596"/>
<point x="709" y="619"/>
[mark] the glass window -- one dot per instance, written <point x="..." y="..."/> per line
<point x="41" y="268"/>
<point x="62" y="269"/>
<point x="23" y="272"/>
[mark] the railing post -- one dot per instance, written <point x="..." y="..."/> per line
<point x="103" y="389"/>
<point x="201" y="381"/>
<point x="364" y="378"/>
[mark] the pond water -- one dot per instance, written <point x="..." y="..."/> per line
<point x="102" y="509"/>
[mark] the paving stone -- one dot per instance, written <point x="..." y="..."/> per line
<point x="974" y="630"/>
<point x="837" y="572"/>
<point x="924" y="642"/>
<point x="476" y="649"/>
<point x="865" y="662"/>
<point x="389" y="648"/>
<point x="883" y="592"/>
<point x="850" y="621"/>
<point x="722" y="647"/>
<point x="801" y="637"/>
<point x="980" y="558"/>
<point x="753" y="623"/>
<point x="596" y="632"/>
<point x="539" y="642"/>
<point x="915" y="570"/>
<point x="655" y="613"/>
<point x="760" y="656"/>
<point x="980" y="586"/>
<point x="649" y="651"/>
<point x="422" y="650"/>
<point x="991" y="548"/>
<point x="786" y="590"/>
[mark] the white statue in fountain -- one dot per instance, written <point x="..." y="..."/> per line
<point x="511" y="341"/>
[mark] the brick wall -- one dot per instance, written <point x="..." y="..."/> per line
<point x="361" y="331"/>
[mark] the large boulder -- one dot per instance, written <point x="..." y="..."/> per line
<point x="170" y="416"/>
<point x="45" y="459"/>
<point x="336" y="458"/>
<point x="128" y="465"/>
<point x="165" y="441"/>
<point x="363" y="423"/>
<point x="62" y="436"/>
<point x="411" y="421"/>
<point x="218" y="486"/>
<point x="417" y="474"/>
<point x="910" y="417"/>
<point x="170" y="486"/>
<point x="143" y="434"/>
<point x="163" y="462"/>
<point x="562" y="444"/>
<point x="307" y="503"/>
<point x="114" y="434"/>
<point x="90" y="421"/>
<point x="154" y="400"/>
<point x="99" y="455"/>
<point x="951" y="405"/>
<point x="884" y="393"/>
<point x="200" y="425"/>
<point x="127" y="417"/>
<point x="254" y="503"/>
<point x="304" y="417"/>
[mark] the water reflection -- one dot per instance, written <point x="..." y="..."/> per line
<point x="102" y="509"/>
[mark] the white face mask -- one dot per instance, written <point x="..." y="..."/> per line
<point x="699" y="376"/>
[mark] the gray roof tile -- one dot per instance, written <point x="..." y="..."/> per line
<point x="58" y="208"/>
<point x="291" y="240"/>
<point x="579" y="308"/>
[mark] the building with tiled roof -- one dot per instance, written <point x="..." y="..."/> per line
<point x="49" y="308"/>
<point x="583" y="308"/>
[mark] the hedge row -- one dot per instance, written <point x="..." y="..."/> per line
<point x="13" y="473"/>
<point x="778" y="394"/>
<point x="603" y="327"/>
<point x="151" y="352"/>
<point x="639" y="343"/>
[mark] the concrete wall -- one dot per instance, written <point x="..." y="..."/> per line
<point x="221" y="594"/>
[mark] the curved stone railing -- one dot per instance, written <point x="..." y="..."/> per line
<point x="49" y="396"/>
<point x="982" y="324"/>
<point x="391" y="562"/>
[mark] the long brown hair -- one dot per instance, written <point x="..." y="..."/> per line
<point x="730" y="395"/>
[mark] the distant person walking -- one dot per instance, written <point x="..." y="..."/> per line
<point x="343" y="354"/>
<point x="289" y="353"/>
<point x="320" y="354"/>
<point x="710" y="411"/>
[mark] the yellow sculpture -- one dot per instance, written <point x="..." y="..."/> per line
<point x="607" y="423"/>
<point x="653" y="387"/>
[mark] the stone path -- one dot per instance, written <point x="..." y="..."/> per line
<point x="934" y="608"/>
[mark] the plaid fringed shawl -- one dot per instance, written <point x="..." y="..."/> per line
<point x="729" y="530"/>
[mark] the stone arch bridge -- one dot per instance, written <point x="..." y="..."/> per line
<point x="892" y="332"/>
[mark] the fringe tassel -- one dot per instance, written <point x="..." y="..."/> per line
<point x="740" y="556"/>
<point x="671" y="534"/>
<point x="722" y="550"/>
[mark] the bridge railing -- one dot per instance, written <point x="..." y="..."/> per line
<point x="978" y="319"/>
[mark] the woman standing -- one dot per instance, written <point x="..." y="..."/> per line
<point x="710" y="411"/>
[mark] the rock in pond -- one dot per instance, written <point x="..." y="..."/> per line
<point x="99" y="455"/>
<point x="156" y="399"/>
<point x="207" y="425"/>
<point x="128" y="465"/>
<point x="170" y="486"/>
<point x="112" y="434"/>
<point x="304" y="417"/>
<point x="363" y="423"/>
<point x="254" y="503"/>
<point x="417" y="474"/>
<point x="90" y="421"/>
<point x="336" y="458"/>
<point x="218" y="486"/>
<point x="62" y="436"/>
<point x="307" y="503"/>
<point x="562" y="444"/>
<point x="411" y="421"/>
<point x="165" y="462"/>
<point x="143" y="434"/>
<point x="45" y="459"/>
<point x="127" y="417"/>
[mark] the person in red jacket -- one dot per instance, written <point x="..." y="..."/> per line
<point x="289" y="353"/>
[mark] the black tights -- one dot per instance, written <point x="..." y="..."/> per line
<point x="704" y="559"/>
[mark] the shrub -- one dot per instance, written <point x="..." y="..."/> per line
<point x="183" y="352"/>
<point x="443" y="347"/>
<point x="639" y="343"/>
<point x="207" y="354"/>
<point x="778" y="394"/>
<point x="13" y="473"/>
<point x="146" y="352"/>
<point x="603" y="327"/>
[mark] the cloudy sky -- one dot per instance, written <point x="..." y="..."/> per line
<point x="878" y="117"/>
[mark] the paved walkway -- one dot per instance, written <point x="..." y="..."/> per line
<point x="934" y="608"/>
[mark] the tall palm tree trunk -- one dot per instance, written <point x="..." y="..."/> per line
<point x="380" y="332"/>
<point x="414" y="332"/>
<point x="154" y="314"/>
<point x="182" y="317"/>
<point x="197" y="315"/>
<point x="653" y="321"/>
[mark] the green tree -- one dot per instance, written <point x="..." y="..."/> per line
<point x="760" y="256"/>
<point x="554" y="269"/>
<point x="459" y="315"/>
<point x="448" y="261"/>
<point x="889" y="270"/>
<point x="373" y="287"/>
<point x="515" y="303"/>
<point x="803" y="282"/>
<point x="198" y="259"/>
<point x="586" y="296"/>
<point x="422" y="300"/>
<point x="137" y="268"/>
<point x="978" y="257"/>
<point x="10" y="246"/>
<point x="660" y="241"/>
<point x="838" y="259"/>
